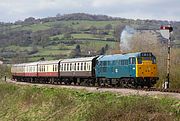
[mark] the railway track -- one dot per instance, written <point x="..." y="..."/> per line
<point x="164" y="90"/>
<point x="110" y="87"/>
<point x="170" y="93"/>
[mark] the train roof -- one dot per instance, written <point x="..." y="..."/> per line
<point x="117" y="56"/>
<point x="38" y="62"/>
<point x="78" y="59"/>
<point x="49" y="62"/>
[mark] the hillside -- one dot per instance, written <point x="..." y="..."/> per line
<point x="58" y="37"/>
<point x="42" y="103"/>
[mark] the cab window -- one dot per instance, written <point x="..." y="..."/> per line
<point x="153" y="60"/>
<point x="139" y="60"/>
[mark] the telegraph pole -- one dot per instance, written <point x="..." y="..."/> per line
<point x="167" y="34"/>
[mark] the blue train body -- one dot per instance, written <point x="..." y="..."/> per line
<point x="116" y="66"/>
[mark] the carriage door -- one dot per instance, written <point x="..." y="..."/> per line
<point x="132" y="66"/>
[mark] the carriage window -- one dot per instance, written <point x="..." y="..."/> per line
<point x="47" y="68"/>
<point x="85" y="66"/>
<point x="81" y="66"/>
<point x="61" y="67"/>
<point x="55" y="67"/>
<point x="64" y="67"/>
<point x="75" y="67"/>
<point x="78" y="66"/>
<point x="89" y="66"/>
<point x="67" y="67"/>
<point x="70" y="67"/>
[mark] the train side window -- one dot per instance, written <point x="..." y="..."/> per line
<point x="75" y="67"/>
<point x="89" y="66"/>
<point x="78" y="67"/>
<point x="81" y="66"/>
<point x="67" y="67"/>
<point x="126" y="62"/>
<point x="70" y="67"/>
<point x="133" y="60"/>
<point x="61" y="67"/>
<point x="85" y="66"/>
<point x="122" y="62"/>
<point x="64" y="67"/>
<point x="47" y="68"/>
<point x="54" y="67"/>
<point x="100" y="63"/>
<point x="119" y="62"/>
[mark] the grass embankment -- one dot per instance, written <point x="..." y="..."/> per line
<point x="32" y="103"/>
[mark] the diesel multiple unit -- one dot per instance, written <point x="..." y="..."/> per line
<point x="132" y="69"/>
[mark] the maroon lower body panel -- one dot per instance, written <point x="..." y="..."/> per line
<point x="31" y="74"/>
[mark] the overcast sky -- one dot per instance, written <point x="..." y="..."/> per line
<point x="13" y="10"/>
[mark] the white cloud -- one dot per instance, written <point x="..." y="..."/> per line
<point x="105" y="3"/>
<point x="12" y="10"/>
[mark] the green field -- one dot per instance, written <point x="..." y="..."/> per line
<point x="26" y="103"/>
<point x="85" y="24"/>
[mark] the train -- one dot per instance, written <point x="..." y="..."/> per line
<point x="117" y="70"/>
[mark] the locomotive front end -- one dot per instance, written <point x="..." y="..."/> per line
<point x="146" y="69"/>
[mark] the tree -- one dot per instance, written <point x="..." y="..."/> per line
<point x="106" y="47"/>
<point x="76" y="52"/>
<point x="117" y="32"/>
<point x="102" y="51"/>
<point x="108" y="26"/>
<point x="30" y="20"/>
<point x="78" y="49"/>
<point x="93" y="30"/>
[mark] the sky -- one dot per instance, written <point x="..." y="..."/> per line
<point x="13" y="10"/>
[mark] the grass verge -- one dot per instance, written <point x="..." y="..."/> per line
<point x="27" y="103"/>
